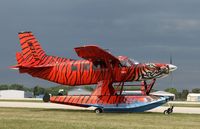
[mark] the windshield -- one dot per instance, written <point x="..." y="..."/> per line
<point x="127" y="62"/>
<point x="134" y="61"/>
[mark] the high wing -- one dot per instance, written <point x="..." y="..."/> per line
<point x="95" y="53"/>
<point x="92" y="53"/>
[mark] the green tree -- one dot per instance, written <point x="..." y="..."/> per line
<point x="37" y="90"/>
<point x="171" y="90"/>
<point x="4" y="87"/>
<point x="55" y="90"/>
<point x="196" y="90"/>
<point x="178" y="96"/>
<point x="16" y="87"/>
<point x="184" y="94"/>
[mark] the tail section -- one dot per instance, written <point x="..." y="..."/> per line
<point x="32" y="53"/>
<point x="34" y="61"/>
<point x="19" y="58"/>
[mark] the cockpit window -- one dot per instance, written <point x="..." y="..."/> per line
<point x="126" y="62"/>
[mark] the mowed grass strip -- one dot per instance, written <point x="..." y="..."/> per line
<point x="24" y="118"/>
<point x="183" y="105"/>
<point x="20" y="100"/>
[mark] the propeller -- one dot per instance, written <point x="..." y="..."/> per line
<point x="171" y="66"/>
<point x="170" y="59"/>
<point x="171" y="76"/>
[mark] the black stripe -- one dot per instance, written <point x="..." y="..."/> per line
<point x="51" y="60"/>
<point x="69" y="79"/>
<point x="26" y="41"/>
<point x="61" y="72"/>
<point x="66" y="66"/>
<point x="25" y="36"/>
<point x="76" y="77"/>
<point x="78" y="99"/>
<point x="69" y="99"/>
<point x="58" y="72"/>
<point x="72" y="99"/>
<point x="88" y="99"/>
<point x="134" y="75"/>
<point x="82" y="100"/>
<point x="44" y="61"/>
<point x="99" y="99"/>
<point x="64" y="99"/>
<point x="25" y="48"/>
<point x="108" y="99"/>
<point x="52" y="73"/>
<point x="27" y="57"/>
<point x="24" y="32"/>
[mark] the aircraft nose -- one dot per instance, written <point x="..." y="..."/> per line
<point x="172" y="67"/>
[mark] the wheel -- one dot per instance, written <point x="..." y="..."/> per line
<point x="98" y="110"/>
<point x="166" y="112"/>
<point x="46" y="98"/>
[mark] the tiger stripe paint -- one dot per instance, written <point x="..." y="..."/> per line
<point x="61" y="71"/>
<point x="61" y="68"/>
<point x="103" y="100"/>
<point x="97" y="67"/>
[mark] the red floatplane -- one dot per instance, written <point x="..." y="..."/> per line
<point x="98" y="66"/>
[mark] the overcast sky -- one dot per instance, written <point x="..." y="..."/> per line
<point x="146" y="30"/>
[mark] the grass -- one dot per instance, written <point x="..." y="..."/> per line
<point x="24" y="118"/>
<point x="183" y="105"/>
<point x="20" y="100"/>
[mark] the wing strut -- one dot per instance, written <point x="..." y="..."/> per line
<point x="146" y="88"/>
<point x="122" y="87"/>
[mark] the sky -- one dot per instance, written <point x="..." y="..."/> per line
<point x="145" y="30"/>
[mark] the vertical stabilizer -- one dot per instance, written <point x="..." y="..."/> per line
<point x="32" y="52"/>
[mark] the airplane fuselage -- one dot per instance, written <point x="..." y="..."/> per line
<point x="83" y="72"/>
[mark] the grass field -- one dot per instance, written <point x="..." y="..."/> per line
<point x="24" y="118"/>
<point x="184" y="105"/>
<point x="20" y="100"/>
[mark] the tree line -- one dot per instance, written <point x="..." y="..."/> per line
<point x="38" y="90"/>
<point x="182" y="95"/>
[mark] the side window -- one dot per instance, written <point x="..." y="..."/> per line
<point x="96" y="66"/>
<point x="86" y="66"/>
<point x="114" y="64"/>
<point x="99" y="64"/>
<point x="74" y="67"/>
<point x="125" y="63"/>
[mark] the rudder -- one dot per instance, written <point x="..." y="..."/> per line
<point x="32" y="52"/>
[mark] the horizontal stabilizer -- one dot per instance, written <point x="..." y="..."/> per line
<point x="32" y="67"/>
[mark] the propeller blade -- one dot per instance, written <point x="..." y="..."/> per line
<point x="170" y="60"/>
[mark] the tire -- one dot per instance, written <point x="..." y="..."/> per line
<point x="98" y="110"/>
<point x="166" y="112"/>
<point x="46" y="98"/>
